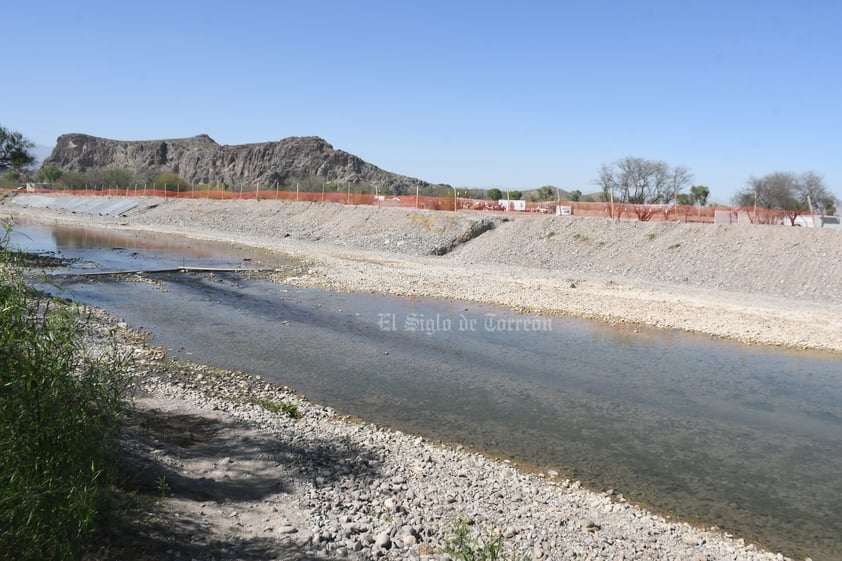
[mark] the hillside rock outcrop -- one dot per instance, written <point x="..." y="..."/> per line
<point x="201" y="160"/>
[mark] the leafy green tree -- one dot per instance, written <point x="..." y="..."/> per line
<point x="49" y="174"/>
<point x="575" y="195"/>
<point x="699" y="195"/>
<point x="494" y="194"/>
<point x="72" y="180"/>
<point x="546" y="193"/>
<point x="685" y="199"/>
<point x="15" y="154"/>
<point x="443" y="191"/>
<point x="515" y="195"/>
<point x="171" y="182"/>
<point x="117" y="177"/>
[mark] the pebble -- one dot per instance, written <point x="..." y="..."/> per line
<point x="344" y="522"/>
<point x="383" y="540"/>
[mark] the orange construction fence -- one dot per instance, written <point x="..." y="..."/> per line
<point x="683" y="213"/>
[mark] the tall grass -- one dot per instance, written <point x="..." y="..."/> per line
<point x="60" y="407"/>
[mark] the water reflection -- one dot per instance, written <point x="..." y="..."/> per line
<point x="121" y="250"/>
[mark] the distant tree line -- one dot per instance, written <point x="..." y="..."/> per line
<point x="111" y="178"/>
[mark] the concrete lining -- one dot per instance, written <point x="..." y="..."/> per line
<point x="114" y="206"/>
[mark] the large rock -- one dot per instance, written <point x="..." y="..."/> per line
<point x="201" y="160"/>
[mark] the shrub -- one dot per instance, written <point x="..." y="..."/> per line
<point x="116" y="177"/>
<point x="170" y="182"/>
<point x="466" y="545"/>
<point x="285" y="407"/>
<point x="73" y="180"/>
<point x="60" y="407"/>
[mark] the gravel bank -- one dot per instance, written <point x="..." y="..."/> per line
<point x="246" y="483"/>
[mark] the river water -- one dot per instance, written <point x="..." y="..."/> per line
<point x="743" y="437"/>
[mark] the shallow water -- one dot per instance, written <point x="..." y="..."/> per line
<point x="746" y="438"/>
<point x="123" y="250"/>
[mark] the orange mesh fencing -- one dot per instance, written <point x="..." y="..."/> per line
<point x="619" y="211"/>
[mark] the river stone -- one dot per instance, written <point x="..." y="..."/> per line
<point x="383" y="540"/>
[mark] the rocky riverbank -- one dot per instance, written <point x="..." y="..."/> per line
<point x="244" y="469"/>
<point x="242" y="478"/>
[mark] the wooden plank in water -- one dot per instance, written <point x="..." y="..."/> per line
<point x="154" y="271"/>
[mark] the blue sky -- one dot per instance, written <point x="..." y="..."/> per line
<point x="478" y="94"/>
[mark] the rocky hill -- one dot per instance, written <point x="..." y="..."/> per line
<point x="201" y="160"/>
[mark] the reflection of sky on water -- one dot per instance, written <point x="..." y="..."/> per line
<point x="120" y="250"/>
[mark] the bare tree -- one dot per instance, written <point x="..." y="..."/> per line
<point x="634" y="179"/>
<point x="812" y="189"/>
<point x="680" y="178"/>
<point x="788" y="191"/>
<point x="607" y="181"/>
<point x="776" y="190"/>
<point x="640" y="181"/>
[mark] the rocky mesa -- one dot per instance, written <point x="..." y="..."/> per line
<point x="201" y="160"/>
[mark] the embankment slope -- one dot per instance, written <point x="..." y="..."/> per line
<point x="758" y="284"/>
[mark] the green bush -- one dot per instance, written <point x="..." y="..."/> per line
<point x="116" y="177"/>
<point x="60" y="407"/>
<point x="285" y="407"/>
<point x="73" y="180"/>
<point x="170" y="182"/>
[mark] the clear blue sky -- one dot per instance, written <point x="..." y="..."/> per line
<point x="479" y="94"/>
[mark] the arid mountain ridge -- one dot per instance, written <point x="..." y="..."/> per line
<point x="200" y="160"/>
